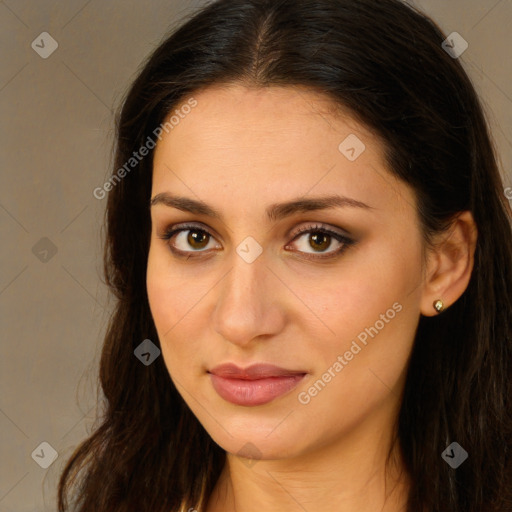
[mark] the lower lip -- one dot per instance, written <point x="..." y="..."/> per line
<point x="254" y="392"/>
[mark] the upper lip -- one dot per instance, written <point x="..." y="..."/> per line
<point x="253" y="372"/>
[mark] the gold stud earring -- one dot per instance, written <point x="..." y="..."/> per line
<point x="438" y="305"/>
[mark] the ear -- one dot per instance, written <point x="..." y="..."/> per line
<point x="449" y="264"/>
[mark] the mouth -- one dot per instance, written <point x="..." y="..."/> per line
<point x="256" y="385"/>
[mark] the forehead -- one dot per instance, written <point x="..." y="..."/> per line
<point x="278" y="115"/>
<point x="271" y="142"/>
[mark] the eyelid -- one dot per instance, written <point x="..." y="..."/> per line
<point x="317" y="226"/>
<point x="339" y="235"/>
<point x="171" y="230"/>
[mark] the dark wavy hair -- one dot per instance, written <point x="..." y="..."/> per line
<point x="383" y="62"/>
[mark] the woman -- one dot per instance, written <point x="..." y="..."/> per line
<point x="310" y="245"/>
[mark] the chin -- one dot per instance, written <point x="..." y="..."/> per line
<point x="266" y="438"/>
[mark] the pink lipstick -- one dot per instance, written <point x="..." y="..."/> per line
<point x="255" y="385"/>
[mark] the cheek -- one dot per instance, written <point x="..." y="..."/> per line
<point x="168" y="299"/>
<point x="175" y="302"/>
<point x="161" y="293"/>
<point x="171" y="295"/>
<point x="375" y="303"/>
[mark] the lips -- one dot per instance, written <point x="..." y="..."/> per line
<point x="256" y="385"/>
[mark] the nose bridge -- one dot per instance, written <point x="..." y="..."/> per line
<point x="244" y="306"/>
<point x="243" y="285"/>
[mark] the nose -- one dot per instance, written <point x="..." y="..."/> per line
<point x="249" y="303"/>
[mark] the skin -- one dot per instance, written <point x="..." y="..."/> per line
<point x="240" y="150"/>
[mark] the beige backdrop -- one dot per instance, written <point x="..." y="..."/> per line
<point x="56" y="136"/>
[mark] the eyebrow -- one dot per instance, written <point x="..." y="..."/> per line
<point x="276" y="211"/>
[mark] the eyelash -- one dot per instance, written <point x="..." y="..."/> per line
<point x="343" y="239"/>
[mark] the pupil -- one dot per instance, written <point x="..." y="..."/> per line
<point x="320" y="239"/>
<point x="197" y="238"/>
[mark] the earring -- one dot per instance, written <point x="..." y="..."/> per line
<point x="438" y="305"/>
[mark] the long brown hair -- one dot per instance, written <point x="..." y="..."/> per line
<point x="384" y="61"/>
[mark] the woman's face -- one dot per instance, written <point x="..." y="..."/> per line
<point x="296" y="249"/>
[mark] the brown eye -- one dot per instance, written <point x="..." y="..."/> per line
<point x="319" y="241"/>
<point x="197" y="239"/>
<point x="314" y="240"/>
<point x="186" y="240"/>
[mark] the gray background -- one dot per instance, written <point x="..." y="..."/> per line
<point x="56" y="136"/>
